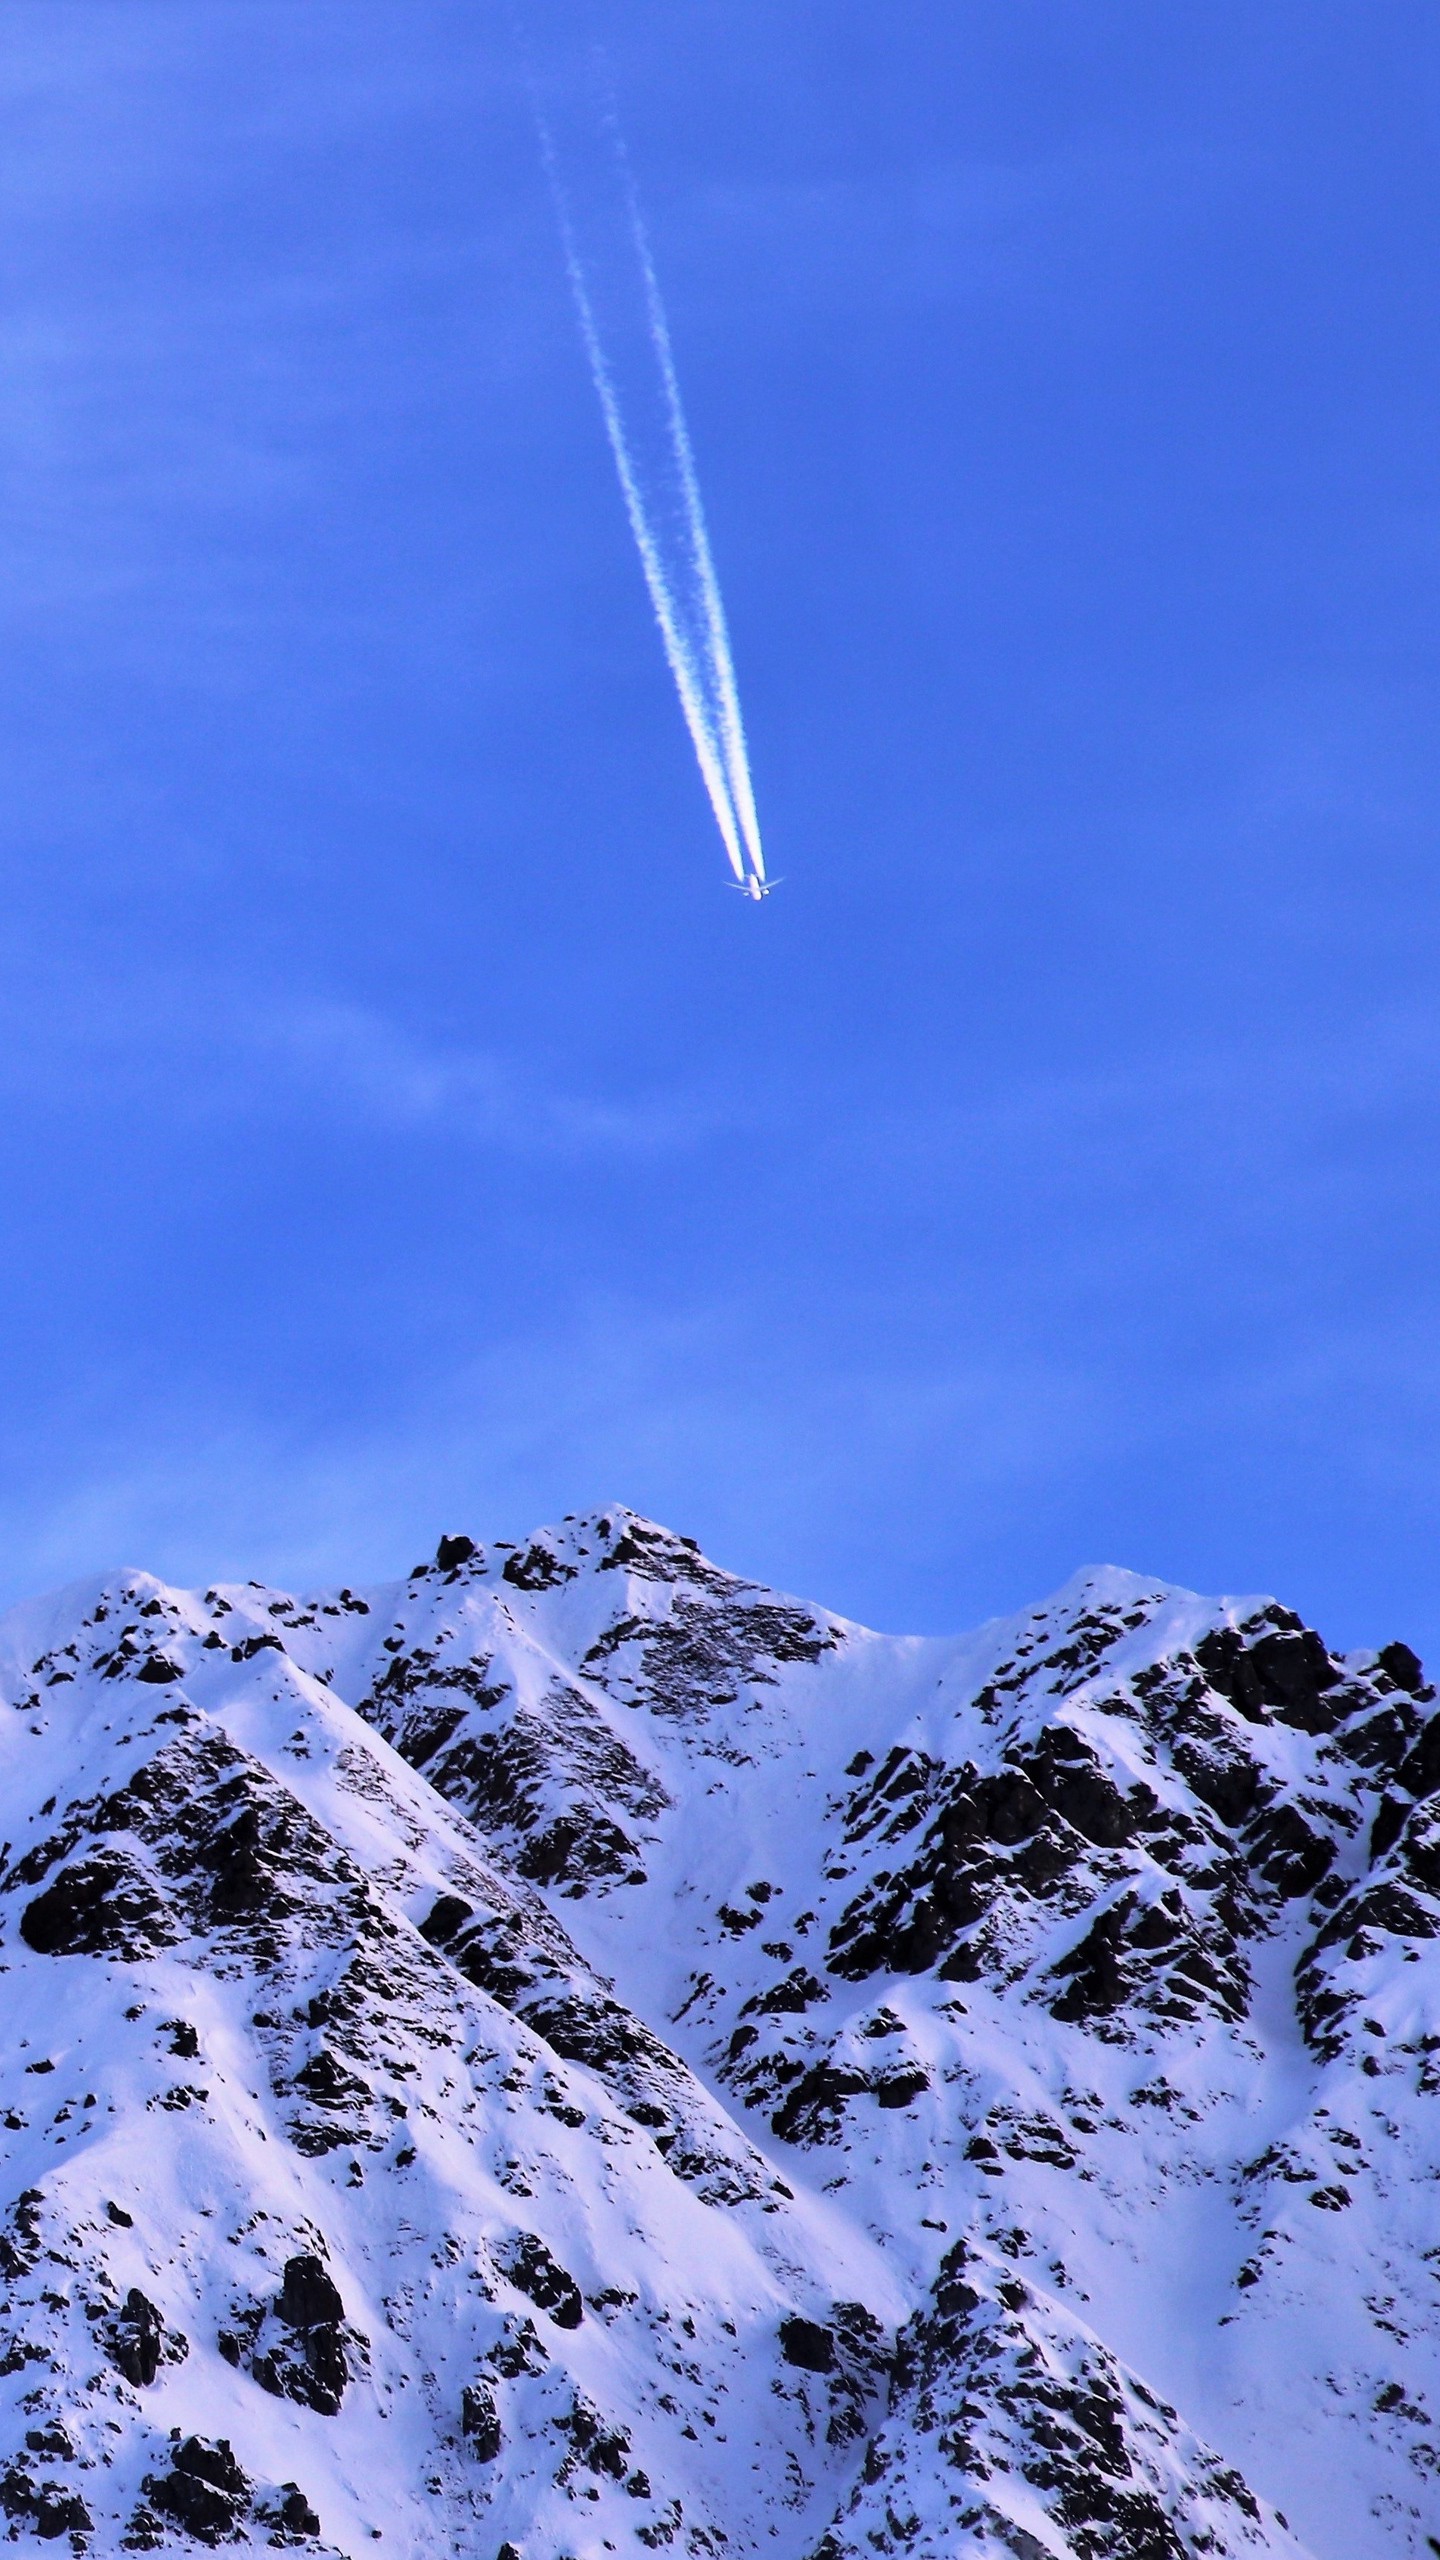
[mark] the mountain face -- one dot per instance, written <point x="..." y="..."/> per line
<point x="578" y="2053"/>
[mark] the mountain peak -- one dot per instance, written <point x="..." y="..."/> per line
<point x="609" y="1540"/>
<point x="576" y="2051"/>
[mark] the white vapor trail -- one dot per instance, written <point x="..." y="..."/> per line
<point x="684" y="591"/>
<point x="720" y="666"/>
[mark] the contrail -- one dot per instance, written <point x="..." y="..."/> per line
<point x="684" y="590"/>
<point x="688" y="677"/>
<point x="720" y="666"/>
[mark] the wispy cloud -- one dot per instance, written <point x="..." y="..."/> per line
<point x="198" y="1054"/>
<point x="683" y="1413"/>
<point x="955" y="229"/>
<point x="207" y="311"/>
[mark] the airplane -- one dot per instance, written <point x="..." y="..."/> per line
<point x="752" y="886"/>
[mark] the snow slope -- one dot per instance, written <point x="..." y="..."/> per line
<point x="579" y="2053"/>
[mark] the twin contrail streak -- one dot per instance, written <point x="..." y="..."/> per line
<point x="720" y="666"/>
<point x="678" y="565"/>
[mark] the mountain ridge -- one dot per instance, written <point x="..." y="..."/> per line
<point x="574" y="2051"/>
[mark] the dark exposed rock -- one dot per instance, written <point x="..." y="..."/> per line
<point x="812" y="2110"/>
<point x="294" y="2513"/>
<point x="316" y="2375"/>
<point x="446" y="1919"/>
<point x="51" y="2442"/>
<point x="428" y="1729"/>
<point x="518" y="2349"/>
<point x="798" y="1991"/>
<point x="328" y="2083"/>
<point x="1384" y="1907"/>
<point x="20" y="2244"/>
<point x="859" y="2374"/>
<point x="700" y="1652"/>
<point x="807" y="2343"/>
<point x="309" y="2298"/>
<point x="1381" y="1740"/>
<point x="1390" y="1818"/>
<point x="1402" y="1666"/>
<point x="310" y="2364"/>
<point x="1097" y="1980"/>
<point x="581" y="1843"/>
<point x="235" y="1857"/>
<point x="1066" y="1771"/>
<point x="1022" y="1828"/>
<point x="104" y="1905"/>
<point x="537" y="1569"/>
<point x="214" y="2463"/>
<point x="1220" y="1773"/>
<point x="205" y="2492"/>
<point x="1000" y="2398"/>
<point x="231" y="1847"/>
<point x="140" y="2341"/>
<point x="550" y="1781"/>
<point x="1420" y="1770"/>
<point x="530" y="2265"/>
<point x="1419" y="1853"/>
<point x="1272" y="1666"/>
<point x="50" y="2510"/>
<point x="1288" y="1851"/>
<point x="901" y="2090"/>
<point x="600" y="2447"/>
<point x="509" y="1956"/>
<point x="454" y="1551"/>
<point x="480" y="2421"/>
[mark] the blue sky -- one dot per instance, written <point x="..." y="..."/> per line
<point x="403" y="1129"/>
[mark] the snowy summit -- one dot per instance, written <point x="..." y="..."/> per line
<point x="577" y="2053"/>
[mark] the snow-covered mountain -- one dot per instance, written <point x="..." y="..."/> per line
<point x="578" y="2053"/>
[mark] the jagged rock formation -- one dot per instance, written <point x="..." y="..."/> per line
<point x="578" y="2053"/>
